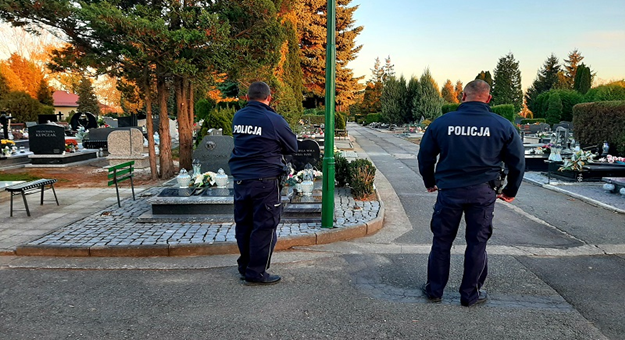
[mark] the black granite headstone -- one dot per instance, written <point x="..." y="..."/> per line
<point x="308" y="153"/>
<point x="214" y="153"/>
<point x="46" y="139"/>
<point x="42" y="119"/>
<point x="127" y="121"/>
<point x="85" y="119"/>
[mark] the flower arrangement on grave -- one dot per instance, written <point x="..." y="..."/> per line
<point x="295" y="178"/>
<point x="612" y="159"/>
<point x="6" y="142"/>
<point x="81" y="134"/>
<point x="71" y="145"/>
<point x="206" y="179"/>
<point x="577" y="161"/>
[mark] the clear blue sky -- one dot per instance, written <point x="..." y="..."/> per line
<point x="458" y="39"/>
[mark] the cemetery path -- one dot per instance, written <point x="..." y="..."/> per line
<point x="556" y="272"/>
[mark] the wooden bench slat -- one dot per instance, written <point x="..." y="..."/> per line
<point x="119" y="179"/>
<point x="120" y="166"/>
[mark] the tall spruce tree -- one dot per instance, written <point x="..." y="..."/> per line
<point x="428" y="102"/>
<point x="312" y="31"/>
<point x="411" y="93"/>
<point x="570" y="68"/>
<point x="87" y="100"/>
<point x="44" y="94"/>
<point x="389" y="69"/>
<point x="546" y="79"/>
<point x="507" y="83"/>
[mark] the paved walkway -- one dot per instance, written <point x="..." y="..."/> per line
<point x="89" y="223"/>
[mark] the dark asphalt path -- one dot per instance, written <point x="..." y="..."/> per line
<point x="549" y="279"/>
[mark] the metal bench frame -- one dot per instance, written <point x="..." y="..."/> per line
<point x="29" y="188"/>
<point x="119" y="173"/>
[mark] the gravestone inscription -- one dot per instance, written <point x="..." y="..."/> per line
<point x="214" y="153"/>
<point x="308" y="153"/>
<point x="46" y="139"/>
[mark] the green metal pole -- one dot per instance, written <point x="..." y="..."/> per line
<point x="327" y="203"/>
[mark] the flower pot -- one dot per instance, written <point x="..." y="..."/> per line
<point x="307" y="188"/>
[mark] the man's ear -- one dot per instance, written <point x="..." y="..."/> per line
<point x="464" y="96"/>
<point x="489" y="99"/>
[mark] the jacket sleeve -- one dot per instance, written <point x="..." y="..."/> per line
<point x="514" y="158"/>
<point x="428" y="150"/>
<point x="286" y="137"/>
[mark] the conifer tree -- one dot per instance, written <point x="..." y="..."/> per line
<point x="393" y="96"/>
<point x="546" y="80"/>
<point x="583" y="79"/>
<point x="554" y="111"/>
<point x="44" y="94"/>
<point x="428" y="102"/>
<point x="412" y="92"/>
<point x="459" y="89"/>
<point x="87" y="100"/>
<point x="448" y="92"/>
<point x="506" y="87"/>
<point x="570" y="68"/>
<point x="485" y="76"/>
<point x="313" y="38"/>
<point x="389" y="69"/>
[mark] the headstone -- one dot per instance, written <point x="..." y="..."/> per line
<point x="43" y="119"/>
<point x="110" y="121"/>
<point x="308" y="153"/>
<point x="173" y="129"/>
<point x="130" y="121"/>
<point x="46" y="139"/>
<point x="214" y="153"/>
<point x="562" y="137"/>
<point x="125" y="143"/>
<point x="566" y="125"/>
<point x="86" y="120"/>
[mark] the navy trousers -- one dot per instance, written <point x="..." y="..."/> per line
<point x="257" y="209"/>
<point x="477" y="203"/>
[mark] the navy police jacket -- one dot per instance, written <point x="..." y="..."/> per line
<point x="471" y="144"/>
<point x="261" y="138"/>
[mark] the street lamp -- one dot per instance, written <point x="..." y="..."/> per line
<point x="327" y="203"/>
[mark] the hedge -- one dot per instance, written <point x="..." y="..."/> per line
<point x="449" y="108"/>
<point x="373" y="117"/>
<point x="505" y="110"/>
<point x="601" y="121"/>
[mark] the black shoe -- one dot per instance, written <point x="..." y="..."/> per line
<point x="481" y="298"/>
<point x="241" y="277"/>
<point x="430" y="297"/>
<point x="269" y="280"/>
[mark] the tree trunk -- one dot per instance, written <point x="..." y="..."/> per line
<point x="165" y="157"/>
<point x="185" y="131"/>
<point x="150" y="126"/>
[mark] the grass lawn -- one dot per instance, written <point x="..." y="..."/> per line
<point x="18" y="177"/>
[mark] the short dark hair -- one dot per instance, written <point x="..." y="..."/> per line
<point x="258" y="91"/>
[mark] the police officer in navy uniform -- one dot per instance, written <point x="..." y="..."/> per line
<point x="261" y="139"/>
<point x="471" y="144"/>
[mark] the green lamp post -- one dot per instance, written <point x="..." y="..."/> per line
<point x="327" y="203"/>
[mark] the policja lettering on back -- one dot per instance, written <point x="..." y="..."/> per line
<point x="468" y="131"/>
<point x="248" y="130"/>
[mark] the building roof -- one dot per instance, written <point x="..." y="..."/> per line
<point x="65" y="99"/>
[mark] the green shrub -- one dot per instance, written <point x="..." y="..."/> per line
<point x="601" y="121"/>
<point x="219" y="118"/>
<point x="341" y="167"/>
<point x="554" y="110"/>
<point x="449" y="107"/>
<point x="373" y="117"/>
<point x="533" y="121"/>
<point x="505" y="110"/>
<point x="339" y="120"/>
<point x="361" y="176"/>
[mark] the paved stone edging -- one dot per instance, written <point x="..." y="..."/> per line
<point x="114" y="232"/>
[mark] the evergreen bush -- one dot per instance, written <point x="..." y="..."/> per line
<point x="373" y="117"/>
<point x="601" y="121"/>
<point x="505" y="110"/>
<point x="361" y="176"/>
<point x="341" y="167"/>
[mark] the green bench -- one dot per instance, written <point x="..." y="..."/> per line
<point x="31" y="187"/>
<point x="119" y="173"/>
